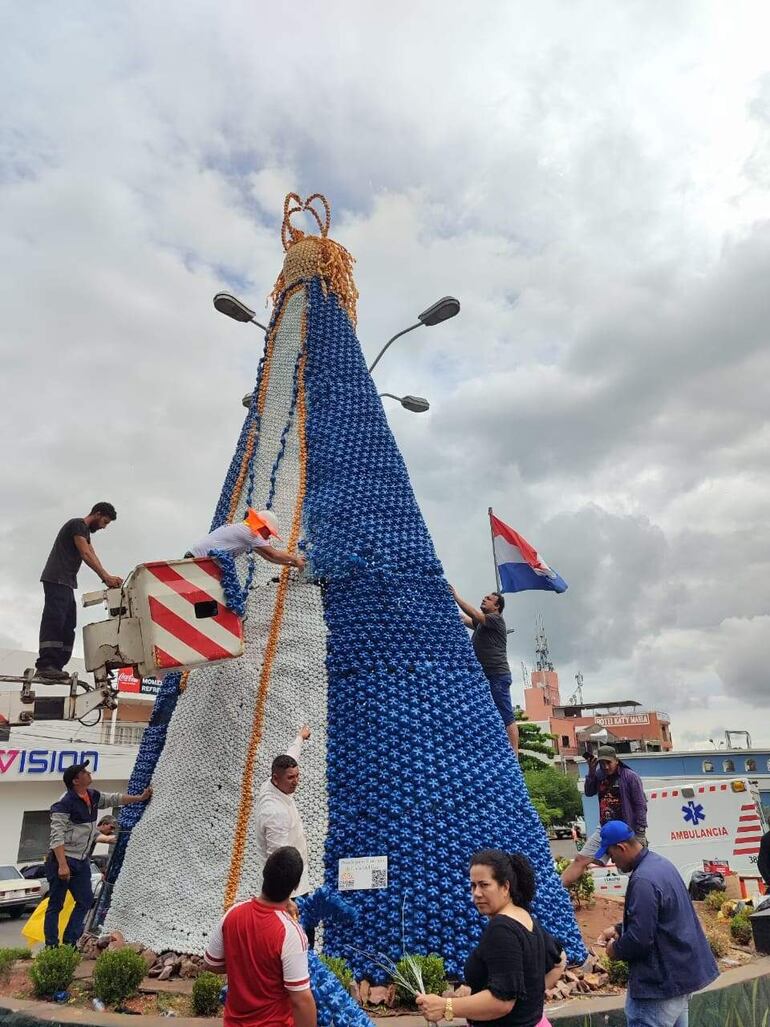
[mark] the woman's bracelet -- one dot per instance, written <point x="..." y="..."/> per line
<point x="448" y="1011"/>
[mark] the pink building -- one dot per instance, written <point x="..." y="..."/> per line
<point x="623" y="723"/>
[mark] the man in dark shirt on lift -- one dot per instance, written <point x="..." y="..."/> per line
<point x="70" y="549"/>
<point x="490" y="643"/>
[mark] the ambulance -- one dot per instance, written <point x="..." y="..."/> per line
<point x="713" y="826"/>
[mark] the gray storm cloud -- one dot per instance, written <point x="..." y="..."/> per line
<point x="593" y="184"/>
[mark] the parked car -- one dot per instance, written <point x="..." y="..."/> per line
<point x="575" y="829"/>
<point x="16" y="891"/>
<point x="36" y="872"/>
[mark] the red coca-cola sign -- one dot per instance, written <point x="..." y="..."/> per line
<point x="129" y="682"/>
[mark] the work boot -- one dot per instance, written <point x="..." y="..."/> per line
<point x="51" y="673"/>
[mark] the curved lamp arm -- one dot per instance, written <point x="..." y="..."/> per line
<point x="390" y="343"/>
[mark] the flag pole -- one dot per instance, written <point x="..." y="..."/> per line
<point x="494" y="558"/>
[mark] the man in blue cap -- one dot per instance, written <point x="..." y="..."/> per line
<point x="660" y="938"/>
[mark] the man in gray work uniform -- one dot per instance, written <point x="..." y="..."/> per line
<point x="490" y="643"/>
<point x="71" y="547"/>
<point x="73" y="833"/>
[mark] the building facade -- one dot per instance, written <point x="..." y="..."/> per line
<point x="624" y="724"/>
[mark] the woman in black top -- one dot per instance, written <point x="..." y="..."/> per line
<point x="515" y="959"/>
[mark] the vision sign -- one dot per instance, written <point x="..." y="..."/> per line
<point x="45" y="761"/>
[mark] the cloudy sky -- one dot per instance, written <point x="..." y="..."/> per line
<point x="592" y="180"/>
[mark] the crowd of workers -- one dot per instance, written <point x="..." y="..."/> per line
<point x="72" y="547"/>
<point x="254" y="534"/>
<point x="263" y="949"/>
<point x="260" y="944"/>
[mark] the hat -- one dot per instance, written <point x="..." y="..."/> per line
<point x="606" y="752"/>
<point x="72" y="772"/>
<point x="257" y="519"/>
<point x="612" y="833"/>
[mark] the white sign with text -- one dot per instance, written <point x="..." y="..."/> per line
<point x="624" y="720"/>
<point x="362" y="873"/>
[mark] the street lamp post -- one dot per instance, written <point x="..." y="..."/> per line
<point x="440" y="311"/>
<point x="232" y="307"/>
<point x="416" y="404"/>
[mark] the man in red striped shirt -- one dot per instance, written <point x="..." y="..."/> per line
<point x="264" y="953"/>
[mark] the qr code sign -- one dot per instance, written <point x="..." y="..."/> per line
<point x="380" y="878"/>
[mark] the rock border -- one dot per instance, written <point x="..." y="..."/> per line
<point x="740" y="984"/>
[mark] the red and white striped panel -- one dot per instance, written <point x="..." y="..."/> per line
<point x="675" y="792"/>
<point x="749" y="833"/>
<point x="179" y="632"/>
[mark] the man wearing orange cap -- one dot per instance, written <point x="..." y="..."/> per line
<point x="252" y="534"/>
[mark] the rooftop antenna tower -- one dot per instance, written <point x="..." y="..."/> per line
<point x="542" y="655"/>
<point x="525" y="674"/>
<point x="576" y="699"/>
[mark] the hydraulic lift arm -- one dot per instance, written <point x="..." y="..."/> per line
<point x="193" y="628"/>
<point x="28" y="705"/>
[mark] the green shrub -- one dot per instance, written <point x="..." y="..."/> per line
<point x="6" y="962"/>
<point x="117" y="974"/>
<point x="9" y="956"/>
<point x="740" y="928"/>
<point x="16" y="952"/>
<point x="340" y="968"/>
<point x="728" y="908"/>
<point x="617" y="971"/>
<point x="714" y="900"/>
<point x="205" y="993"/>
<point x="433" y="976"/>
<point x="581" y="893"/>
<point x="53" y="970"/>
<point x="718" y="943"/>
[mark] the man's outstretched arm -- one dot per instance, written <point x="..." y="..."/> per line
<point x="280" y="556"/>
<point x="89" y="557"/>
<point x="295" y="748"/>
<point x="469" y="614"/>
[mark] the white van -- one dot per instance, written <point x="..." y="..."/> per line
<point x="705" y="825"/>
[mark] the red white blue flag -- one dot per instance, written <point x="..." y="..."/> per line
<point x="519" y="565"/>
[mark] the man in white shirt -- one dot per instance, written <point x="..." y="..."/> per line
<point x="252" y="534"/>
<point x="277" y="817"/>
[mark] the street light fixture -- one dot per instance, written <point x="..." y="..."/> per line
<point x="232" y="307"/>
<point x="416" y="404"/>
<point x="440" y="311"/>
<point x="437" y="312"/>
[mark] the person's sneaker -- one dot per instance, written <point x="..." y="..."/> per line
<point x="52" y="674"/>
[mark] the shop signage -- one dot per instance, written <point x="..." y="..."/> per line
<point x="128" y="682"/>
<point x="45" y="761"/>
<point x="362" y="873"/>
<point x="624" y="720"/>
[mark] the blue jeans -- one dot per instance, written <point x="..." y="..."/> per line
<point x="500" y="687"/>
<point x="657" y="1012"/>
<point x="79" y="886"/>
